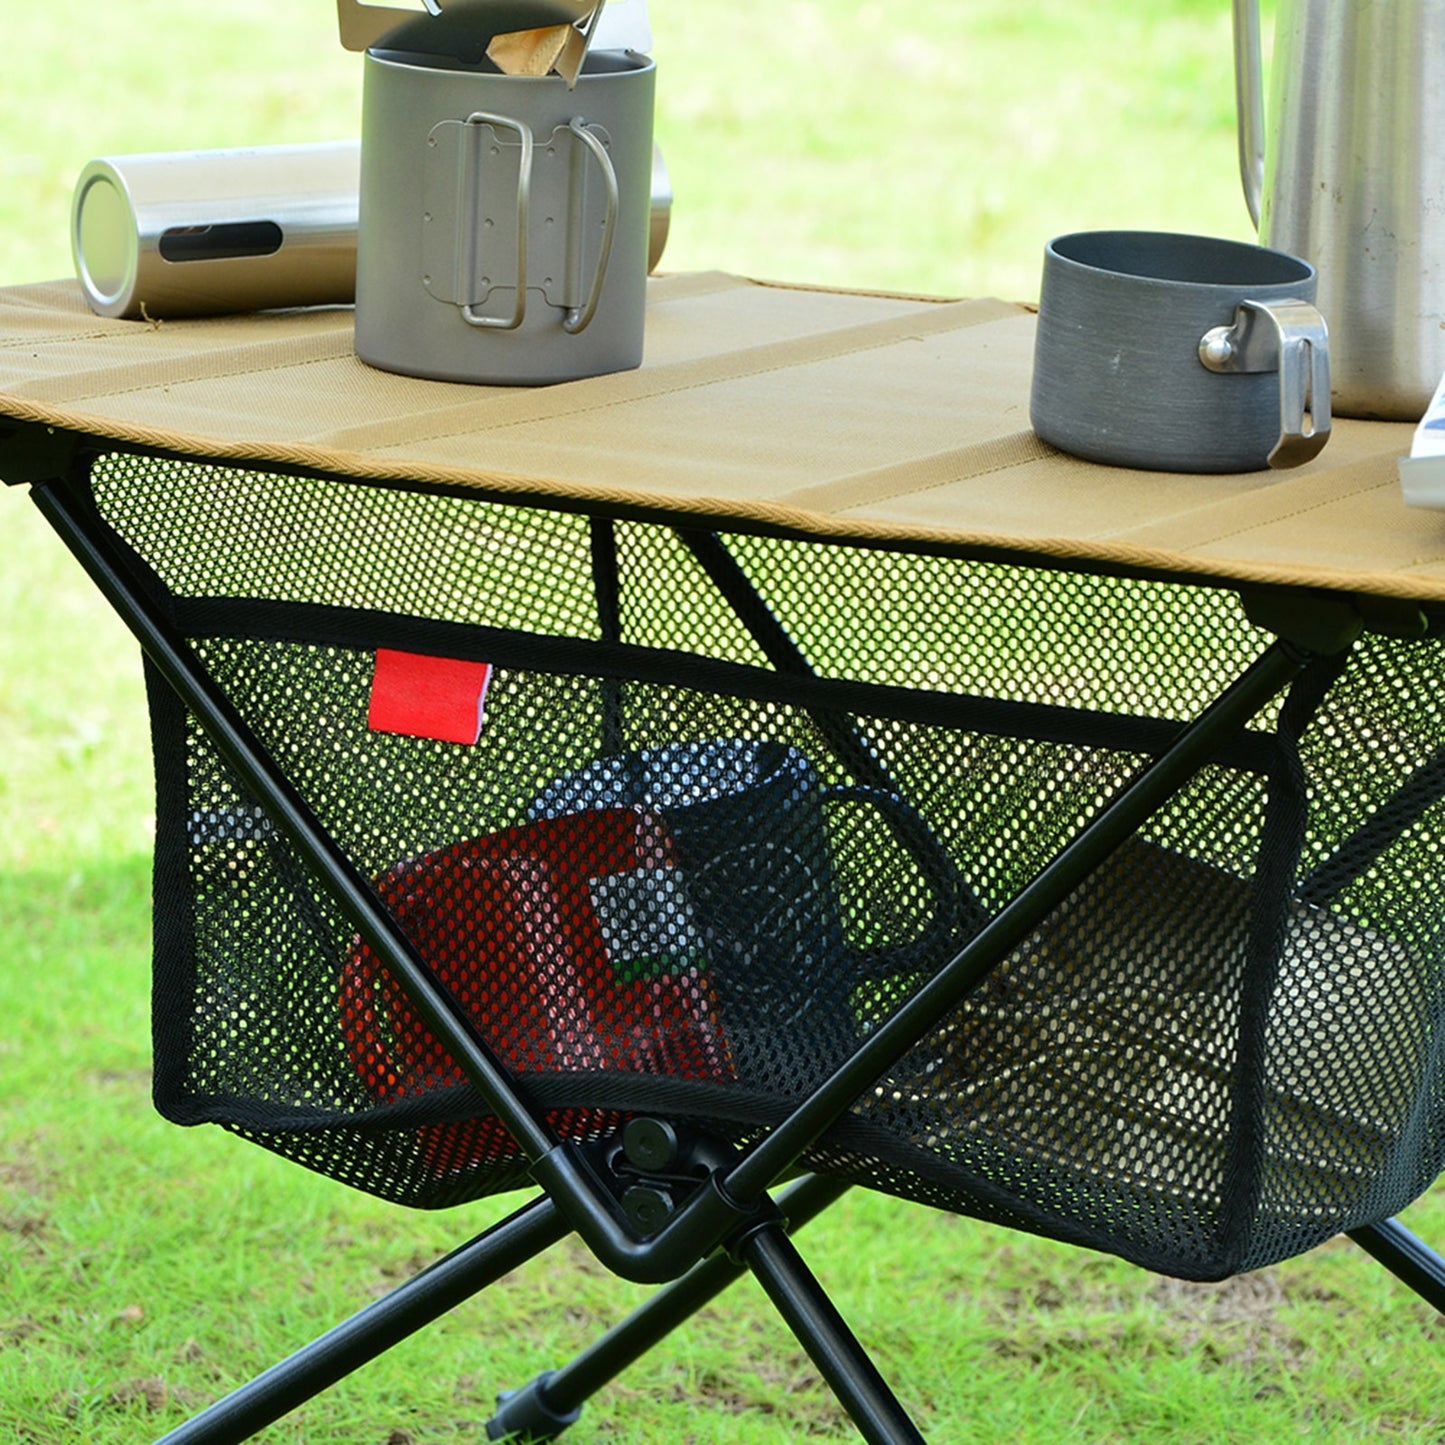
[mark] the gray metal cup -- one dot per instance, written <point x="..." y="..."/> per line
<point x="504" y="219"/>
<point x="1179" y="353"/>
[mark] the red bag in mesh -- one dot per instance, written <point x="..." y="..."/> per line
<point x="571" y="945"/>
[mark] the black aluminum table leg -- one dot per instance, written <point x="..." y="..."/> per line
<point x="607" y="581"/>
<point x="764" y="627"/>
<point x="1407" y="1257"/>
<point x="541" y="1410"/>
<point x="374" y="1330"/>
<point x="825" y="1335"/>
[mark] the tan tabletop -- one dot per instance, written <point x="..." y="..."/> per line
<point x="837" y="415"/>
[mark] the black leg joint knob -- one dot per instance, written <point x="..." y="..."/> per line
<point x="766" y="1216"/>
<point x="647" y="1209"/>
<point x="651" y="1145"/>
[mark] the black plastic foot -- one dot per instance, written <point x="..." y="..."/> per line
<point x="524" y="1416"/>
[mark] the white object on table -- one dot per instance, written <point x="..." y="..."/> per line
<point x="1422" y="473"/>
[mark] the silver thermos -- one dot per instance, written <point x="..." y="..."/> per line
<point x="206" y="232"/>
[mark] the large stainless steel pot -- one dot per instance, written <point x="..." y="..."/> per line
<point x="1352" y="178"/>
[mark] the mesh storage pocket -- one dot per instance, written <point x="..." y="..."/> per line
<point x="1220" y="1050"/>
<point x="704" y="923"/>
<point x="1194" y="1061"/>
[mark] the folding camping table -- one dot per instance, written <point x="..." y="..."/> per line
<point x="693" y="792"/>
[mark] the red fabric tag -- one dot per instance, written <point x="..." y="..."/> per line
<point x="428" y="697"/>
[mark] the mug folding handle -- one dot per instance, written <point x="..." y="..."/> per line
<point x="958" y="914"/>
<point x="578" y="318"/>
<point x="470" y="314"/>
<point x="1290" y="337"/>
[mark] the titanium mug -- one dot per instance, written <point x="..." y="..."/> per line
<point x="1179" y="353"/>
<point x="505" y="219"/>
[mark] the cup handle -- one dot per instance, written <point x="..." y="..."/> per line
<point x="959" y="914"/>
<point x="524" y="200"/>
<point x="579" y="318"/>
<point x="1289" y="337"/>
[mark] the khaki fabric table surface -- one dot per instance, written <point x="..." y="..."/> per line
<point x="834" y="414"/>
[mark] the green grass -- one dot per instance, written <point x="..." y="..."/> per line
<point x="143" y="1268"/>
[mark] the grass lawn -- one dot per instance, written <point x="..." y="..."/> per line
<point x="145" y="1269"/>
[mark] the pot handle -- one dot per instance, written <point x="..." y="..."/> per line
<point x="957" y="914"/>
<point x="1288" y="336"/>
<point x="1249" y="103"/>
<point x="524" y="206"/>
<point x="580" y="318"/>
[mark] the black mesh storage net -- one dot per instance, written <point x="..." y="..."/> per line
<point x="679" y="817"/>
